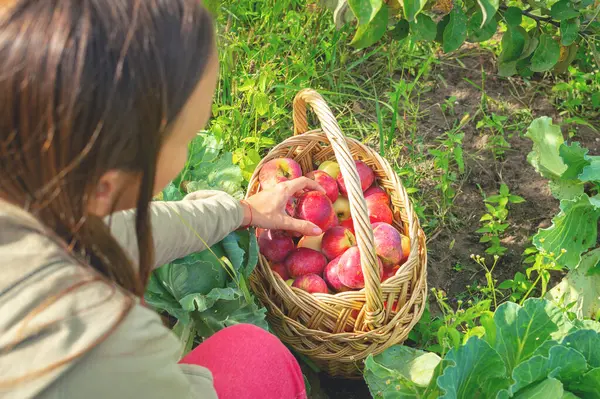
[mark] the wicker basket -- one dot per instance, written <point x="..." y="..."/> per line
<point x="338" y="331"/>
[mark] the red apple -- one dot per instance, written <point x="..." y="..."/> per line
<point x="303" y="261"/>
<point x="331" y="277"/>
<point x="349" y="269"/>
<point x="278" y="170"/>
<point x="316" y="207"/>
<point x="331" y="168"/>
<point x="327" y="182"/>
<point x="349" y="224"/>
<point x="311" y="283"/>
<point x="292" y="203"/>
<point x="366" y="175"/>
<point x="377" y="194"/>
<point x="336" y="241"/>
<point x="388" y="244"/>
<point x="312" y="242"/>
<point x="379" y="212"/>
<point x="275" y="245"/>
<point x="280" y="269"/>
<point x="389" y="272"/>
<point x="341" y="207"/>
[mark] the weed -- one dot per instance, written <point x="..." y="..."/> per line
<point x="494" y="220"/>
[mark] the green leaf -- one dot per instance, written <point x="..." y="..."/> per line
<point x="562" y="362"/>
<point x="513" y="16"/>
<point x="550" y="388"/>
<point x="546" y="55"/>
<point x="522" y="329"/>
<point x="365" y="10"/>
<point x="478" y="33"/>
<point x="455" y="32"/>
<point x="228" y="308"/>
<point x="588" y="386"/>
<point x="576" y="159"/>
<point x="160" y="299"/>
<point x="586" y="342"/>
<point x="488" y="10"/>
<point x="222" y="174"/>
<point x="563" y="10"/>
<point x="545" y="156"/>
<point x="370" y="33"/>
<point x="261" y="103"/>
<point x="441" y="27"/>
<point x="591" y="172"/>
<point x="423" y="28"/>
<point x="195" y="273"/>
<point x="569" y="31"/>
<point x="507" y="69"/>
<point x="580" y="288"/>
<point x="412" y="8"/>
<point x="513" y="43"/>
<point x="471" y="371"/>
<point x="171" y="193"/>
<point x="574" y="229"/>
<point x="401" y="30"/>
<point x="400" y="371"/>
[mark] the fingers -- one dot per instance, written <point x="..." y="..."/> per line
<point x="302" y="226"/>
<point x="301" y="183"/>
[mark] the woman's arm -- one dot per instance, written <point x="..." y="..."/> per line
<point x="181" y="227"/>
<point x="204" y="218"/>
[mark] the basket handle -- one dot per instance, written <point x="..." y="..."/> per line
<point x="374" y="316"/>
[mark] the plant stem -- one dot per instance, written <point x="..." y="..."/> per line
<point x="531" y="288"/>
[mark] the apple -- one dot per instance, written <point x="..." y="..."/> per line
<point x="349" y="224"/>
<point x="349" y="269"/>
<point x="280" y="269"/>
<point x="389" y="272"/>
<point x="341" y="207"/>
<point x="303" y="261"/>
<point x="405" y="248"/>
<point x="336" y="241"/>
<point x="331" y="168"/>
<point x="331" y="277"/>
<point x="327" y="182"/>
<point x="312" y="242"/>
<point x="290" y="206"/>
<point x="377" y="194"/>
<point x="388" y="244"/>
<point x="311" y="283"/>
<point x="275" y="245"/>
<point x="366" y="175"/>
<point x="317" y="208"/>
<point x="278" y="170"/>
<point x="379" y="212"/>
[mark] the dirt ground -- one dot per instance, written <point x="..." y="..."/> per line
<point x="453" y="245"/>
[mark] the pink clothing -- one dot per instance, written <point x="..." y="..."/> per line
<point x="248" y="362"/>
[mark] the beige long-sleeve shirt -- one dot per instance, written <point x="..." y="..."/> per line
<point x="139" y="358"/>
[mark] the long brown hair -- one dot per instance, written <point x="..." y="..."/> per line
<point x="88" y="86"/>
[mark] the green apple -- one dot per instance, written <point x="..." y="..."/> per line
<point x="331" y="168"/>
<point x="341" y="207"/>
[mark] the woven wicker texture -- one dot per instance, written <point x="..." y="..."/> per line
<point x="338" y="331"/>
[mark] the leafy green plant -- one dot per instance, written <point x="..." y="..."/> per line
<point x="207" y="291"/>
<point x="494" y="124"/>
<point x="527" y="351"/>
<point x="447" y="156"/>
<point x="574" y="178"/>
<point x="539" y="35"/>
<point x="494" y="220"/>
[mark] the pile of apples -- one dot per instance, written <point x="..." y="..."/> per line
<point x="329" y="262"/>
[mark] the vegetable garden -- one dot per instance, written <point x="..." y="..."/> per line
<point x="488" y="112"/>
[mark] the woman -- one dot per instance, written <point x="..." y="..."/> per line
<point x="98" y="102"/>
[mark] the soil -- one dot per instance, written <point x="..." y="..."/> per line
<point x="454" y="243"/>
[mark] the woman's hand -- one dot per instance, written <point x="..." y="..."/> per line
<point x="266" y="209"/>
